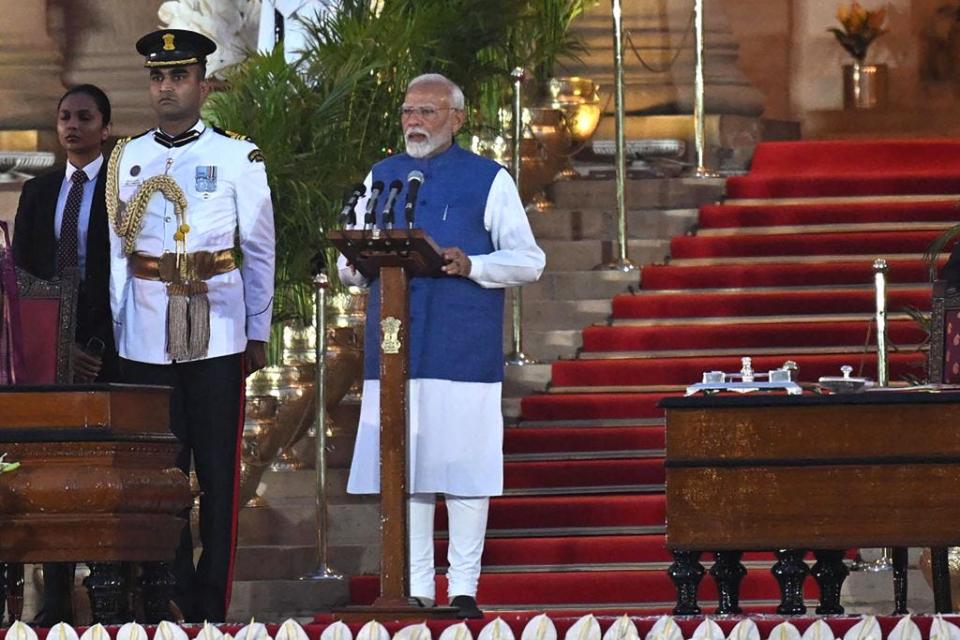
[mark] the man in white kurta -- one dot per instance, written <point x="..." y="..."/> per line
<point x="471" y="206"/>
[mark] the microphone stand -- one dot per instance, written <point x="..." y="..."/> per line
<point x="321" y="283"/>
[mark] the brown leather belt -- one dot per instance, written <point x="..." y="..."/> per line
<point x="200" y="265"/>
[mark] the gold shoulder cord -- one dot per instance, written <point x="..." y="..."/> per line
<point x="127" y="220"/>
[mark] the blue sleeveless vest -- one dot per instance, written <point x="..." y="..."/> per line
<point x="456" y="326"/>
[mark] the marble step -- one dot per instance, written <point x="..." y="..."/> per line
<point x="585" y="255"/>
<point x="277" y="600"/>
<point x="528" y="379"/>
<point x="601" y="223"/>
<point x="665" y="193"/>
<point x="548" y="345"/>
<point x="553" y="315"/>
<point x="578" y="285"/>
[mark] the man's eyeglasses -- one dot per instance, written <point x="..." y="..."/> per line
<point x="426" y="113"/>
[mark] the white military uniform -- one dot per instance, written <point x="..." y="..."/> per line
<point x="225" y="184"/>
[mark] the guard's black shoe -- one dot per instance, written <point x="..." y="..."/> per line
<point x="467" y="606"/>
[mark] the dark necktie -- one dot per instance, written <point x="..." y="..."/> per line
<point x="67" y="249"/>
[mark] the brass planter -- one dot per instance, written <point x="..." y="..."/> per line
<point x="865" y="86"/>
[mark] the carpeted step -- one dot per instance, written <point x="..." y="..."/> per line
<point x="846" y="168"/>
<point x="831" y="185"/>
<point x="877" y="157"/>
<point x="781" y="274"/>
<point x="589" y="550"/>
<point x="570" y="550"/>
<point x="881" y="243"/>
<point x="714" y="304"/>
<point x="587" y="474"/>
<point x="583" y="512"/>
<point x="723" y="216"/>
<point x="586" y="406"/>
<point x="546" y="441"/>
<point x="747" y="335"/>
<point x="587" y="587"/>
<point x="630" y="372"/>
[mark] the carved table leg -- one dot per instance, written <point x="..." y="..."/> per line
<point x="942" y="602"/>
<point x="3" y="593"/>
<point x="686" y="573"/>
<point x="727" y="572"/>
<point x="14" y="591"/>
<point x="790" y="572"/>
<point x="156" y="584"/>
<point x="829" y="572"/>
<point x="106" y="588"/>
<point x="900" y="581"/>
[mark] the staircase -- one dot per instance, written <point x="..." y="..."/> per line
<point x="778" y="275"/>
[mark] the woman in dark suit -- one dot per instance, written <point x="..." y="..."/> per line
<point x="62" y="223"/>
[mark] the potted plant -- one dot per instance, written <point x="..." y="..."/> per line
<point x="864" y="86"/>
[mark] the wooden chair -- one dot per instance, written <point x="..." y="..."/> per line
<point x="48" y="327"/>
<point x="944" y="360"/>
<point x="47" y="311"/>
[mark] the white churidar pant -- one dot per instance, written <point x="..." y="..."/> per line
<point x="467" y="524"/>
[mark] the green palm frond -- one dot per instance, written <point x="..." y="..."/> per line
<point x="937" y="247"/>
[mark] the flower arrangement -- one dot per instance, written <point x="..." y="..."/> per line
<point x="860" y="28"/>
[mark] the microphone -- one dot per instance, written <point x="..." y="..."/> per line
<point x="370" y="219"/>
<point x="414" y="180"/>
<point x="347" y="214"/>
<point x="387" y="215"/>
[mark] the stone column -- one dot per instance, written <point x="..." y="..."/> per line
<point x="662" y="83"/>
<point x="30" y="66"/>
<point x="98" y="43"/>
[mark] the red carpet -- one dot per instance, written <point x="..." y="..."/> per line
<point x="779" y="274"/>
<point x="628" y="372"/>
<point x="726" y="304"/>
<point x="729" y="216"/>
<point x="563" y="440"/>
<point x="877" y="243"/>
<point x="583" y="521"/>
<point x="850" y="168"/>
<point x="746" y="335"/>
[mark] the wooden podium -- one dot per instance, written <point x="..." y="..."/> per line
<point x="393" y="256"/>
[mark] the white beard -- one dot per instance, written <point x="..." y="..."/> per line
<point x="421" y="149"/>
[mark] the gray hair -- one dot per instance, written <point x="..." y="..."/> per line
<point x="456" y="93"/>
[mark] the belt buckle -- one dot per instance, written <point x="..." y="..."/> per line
<point x="167" y="266"/>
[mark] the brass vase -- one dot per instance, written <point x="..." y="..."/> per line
<point x="579" y="101"/>
<point x="865" y="86"/>
<point x="281" y="406"/>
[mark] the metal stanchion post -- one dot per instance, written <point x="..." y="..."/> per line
<point x="516" y="356"/>
<point x="885" y="561"/>
<point x="699" y="110"/>
<point x="880" y="286"/>
<point x="322" y="571"/>
<point x="622" y="263"/>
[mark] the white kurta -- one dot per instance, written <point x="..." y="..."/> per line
<point x="455" y="437"/>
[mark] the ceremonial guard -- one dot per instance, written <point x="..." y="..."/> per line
<point x="181" y="199"/>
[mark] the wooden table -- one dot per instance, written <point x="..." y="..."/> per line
<point x="822" y="473"/>
<point x="98" y="481"/>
